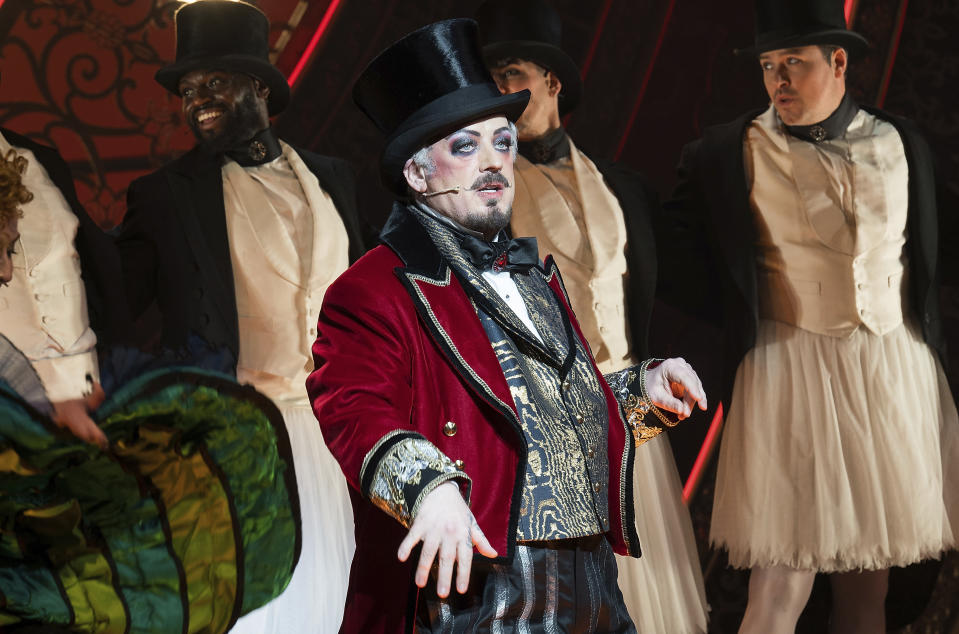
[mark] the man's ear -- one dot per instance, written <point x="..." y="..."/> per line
<point x="840" y="61"/>
<point x="261" y="89"/>
<point x="415" y="177"/>
<point x="553" y="84"/>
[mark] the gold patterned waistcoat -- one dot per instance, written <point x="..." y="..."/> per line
<point x="560" y="402"/>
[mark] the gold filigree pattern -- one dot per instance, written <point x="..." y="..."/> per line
<point x="408" y="471"/>
<point x="635" y="407"/>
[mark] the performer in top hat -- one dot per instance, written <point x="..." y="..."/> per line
<point x="595" y="219"/>
<point x="454" y="385"/>
<point x="813" y="223"/>
<point x="236" y="243"/>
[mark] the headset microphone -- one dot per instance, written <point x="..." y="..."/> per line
<point x="455" y="190"/>
<point x="458" y="189"/>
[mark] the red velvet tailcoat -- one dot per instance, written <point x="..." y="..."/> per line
<point x="400" y="347"/>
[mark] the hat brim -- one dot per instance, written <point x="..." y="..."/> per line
<point x="428" y="126"/>
<point x="169" y="76"/>
<point x="547" y="56"/>
<point x="853" y="42"/>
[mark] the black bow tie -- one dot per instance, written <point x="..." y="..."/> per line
<point x="518" y="255"/>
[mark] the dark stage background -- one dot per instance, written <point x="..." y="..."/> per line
<point x="77" y="74"/>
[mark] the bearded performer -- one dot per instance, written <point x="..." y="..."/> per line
<point x="456" y="389"/>
<point x="595" y="218"/>
<point x="814" y="226"/>
<point x="236" y="243"/>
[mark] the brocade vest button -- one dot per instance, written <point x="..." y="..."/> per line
<point x="596" y="487"/>
<point x="579" y="419"/>
<point x="458" y="464"/>
<point x="449" y="428"/>
<point x="566" y="384"/>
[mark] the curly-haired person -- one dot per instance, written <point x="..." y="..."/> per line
<point x="12" y="195"/>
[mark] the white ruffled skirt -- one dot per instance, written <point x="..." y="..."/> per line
<point x="315" y="598"/>
<point x="839" y="454"/>
<point x="663" y="589"/>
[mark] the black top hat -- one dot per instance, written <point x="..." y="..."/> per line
<point x="794" y="23"/>
<point x="425" y="86"/>
<point x="530" y="30"/>
<point x="225" y="35"/>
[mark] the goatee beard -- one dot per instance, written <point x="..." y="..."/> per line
<point x="242" y="124"/>
<point x="490" y="221"/>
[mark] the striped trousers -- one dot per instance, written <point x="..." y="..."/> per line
<point x="554" y="586"/>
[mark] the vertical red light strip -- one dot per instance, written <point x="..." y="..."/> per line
<point x="703" y="457"/>
<point x="649" y="72"/>
<point x="314" y="41"/>
<point x="893" y="51"/>
<point x="848" y="8"/>
<point x="584" y="69"/>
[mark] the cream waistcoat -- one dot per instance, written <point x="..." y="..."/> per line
<point x="575" y="217"/>
<point x="831" y="221"/>
<point x="287" y="244"/>
<point x="44" y="309"/>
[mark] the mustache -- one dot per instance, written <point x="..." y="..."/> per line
<point x="486" y="180"/>
<point x="479" y="183"/>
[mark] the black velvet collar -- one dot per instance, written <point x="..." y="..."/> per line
<point x="262" y="148"/>
<point x="552" y="146"/>
<point x="831" y="127"/>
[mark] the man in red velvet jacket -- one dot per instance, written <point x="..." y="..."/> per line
<point x="454" y="387"/>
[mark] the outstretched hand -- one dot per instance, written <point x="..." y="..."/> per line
<point x="74" y="415"/>
<point x="673" y="385"/>
<point x="446" y="527"/>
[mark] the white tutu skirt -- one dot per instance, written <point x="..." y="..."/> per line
<point x="313" y="602"/>
<point x="663" y="589"/>
<point x="839" y="454"/>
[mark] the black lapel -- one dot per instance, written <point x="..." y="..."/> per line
<point x="197" y="186"/>
<point x="922" y="221"/>
<point x="724" y="180"/>
<point x="407" y="237"/>
<point x="639" y="202"/>
<point x="337" y="179"/>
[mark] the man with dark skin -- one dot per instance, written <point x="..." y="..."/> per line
<point x="235" y="243"/>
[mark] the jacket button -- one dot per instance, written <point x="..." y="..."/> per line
<point x="596" y="487"/>
<point x="591" y="453"/>
<point x="458" y="464"/>
<point x="579" y="419"/>
<point x="566" y="384"/>
<point x="449" y="428"/>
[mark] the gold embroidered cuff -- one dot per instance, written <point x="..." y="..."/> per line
<point x="629" y="387"/>
<point x="401" y="470"/>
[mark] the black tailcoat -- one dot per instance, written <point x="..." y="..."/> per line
<point x="99" y="260"/>
<point x="640" y="203"/>
<point x="175" y="250"/>
<point x="707" y="248"/>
